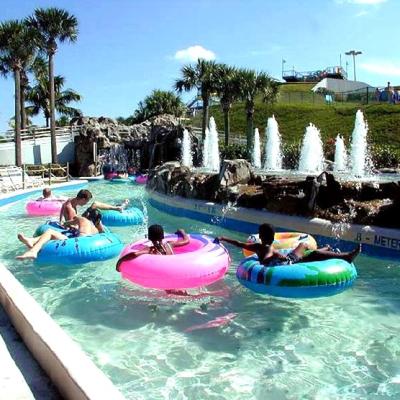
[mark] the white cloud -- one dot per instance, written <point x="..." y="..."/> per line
<point x="364" y="2"/>
<point x="193" y="53"/>
<point x="382" y="68"/>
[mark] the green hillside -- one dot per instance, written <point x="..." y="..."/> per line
<point x="383" y="120"/>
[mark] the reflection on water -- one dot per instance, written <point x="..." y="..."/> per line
<point x="224" y="342"/>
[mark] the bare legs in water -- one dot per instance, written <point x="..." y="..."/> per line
<point x="324" y="253"/>
<point x="36" y="243"/>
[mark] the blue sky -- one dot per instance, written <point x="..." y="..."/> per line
<point x="126" y="48"/>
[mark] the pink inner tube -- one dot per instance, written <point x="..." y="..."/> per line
<point x="44" y="207"/>
<point x="199" y="263"/>
<point x="141" y="179"/>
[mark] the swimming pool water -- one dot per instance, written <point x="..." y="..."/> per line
<point x="224" y="342"/>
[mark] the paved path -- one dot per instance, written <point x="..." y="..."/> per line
<point x="21" y="378"/>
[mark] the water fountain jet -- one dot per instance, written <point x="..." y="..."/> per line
<point x="187" y="158"/>
<point x="360" y="160"/>
<point x="312" y="155"/>
<point x="211" y="160"/>
<point x="273" y="154"/>
<point x="256" y="154"/>
<point x="341" y="158"/>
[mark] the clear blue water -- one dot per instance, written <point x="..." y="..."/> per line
<point x="155" y="346"/>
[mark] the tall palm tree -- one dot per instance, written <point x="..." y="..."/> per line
<point x="252" y="84"/>
<point x="16" y="50"/>
<point x="228" y="90"/>
<point x="52" y="25"/>
<point x="38" y="67"/>
<point x="38" y="98"/>
<point x="201" y="77"/>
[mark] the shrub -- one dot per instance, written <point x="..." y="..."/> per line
<point x="291" y="155"/>
<point x="233" y="151"/>
<point x="385" y="156"/>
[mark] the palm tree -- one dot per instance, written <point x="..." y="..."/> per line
<point x="37" y="66"/>
<point x="228" y="90"/>
<point x="16" y="50"/>
<point x="201" y="77"/>
<point x="38" y="98"/>
<point x="157" y="103"/>
<point x="52" y="25"/>
<point x="252" y="84"/>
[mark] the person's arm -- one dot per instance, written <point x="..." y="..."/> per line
<point x="105" y="206"/>
<point x="131" y="256"/>
<point x="180" y="242"/>
<point x="253" y="247"/>
<point x="74" y="221"/>
<point x="100" y="227"/>
<point x="68" y="212"/>
<point x="278" y="255"/>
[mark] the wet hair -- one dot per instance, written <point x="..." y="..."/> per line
<point x="155" y="233"/>
<point x="92" y="214"/>
<point x="84" y="194"/>
<point x="46" y="192"/>
<point x="267" y="233"/>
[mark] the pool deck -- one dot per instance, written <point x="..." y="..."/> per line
<point x="21" y="378"/>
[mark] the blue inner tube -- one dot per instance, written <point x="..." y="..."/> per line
<point x="130" y="216"/>
<point x="300" y="280"/>
<point x="77" y="250"/>
<point x="119" y="180"/>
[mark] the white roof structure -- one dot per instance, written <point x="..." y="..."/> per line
<point x="340" y="85"/>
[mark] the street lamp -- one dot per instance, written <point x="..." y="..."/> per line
<point x="283" y="64"/>
<point x="353" y="53"/>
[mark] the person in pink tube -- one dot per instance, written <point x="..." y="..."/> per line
<point x="155" y="234"/>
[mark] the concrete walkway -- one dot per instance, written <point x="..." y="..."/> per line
<point x="21" y="378"/>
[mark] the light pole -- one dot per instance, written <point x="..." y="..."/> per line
<point x="283" y="63"/>
<point x="353" y="53"/>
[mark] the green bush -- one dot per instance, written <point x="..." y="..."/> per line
<point x="291" y="155"/>
<point x="385" y="156"/>
<point x="233" y="151"/>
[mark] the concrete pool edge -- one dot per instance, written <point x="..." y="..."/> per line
<point x="376" y="241"/>
<point x="70" y="369"/>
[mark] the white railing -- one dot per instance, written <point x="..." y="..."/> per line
<point x="40" y="133"/>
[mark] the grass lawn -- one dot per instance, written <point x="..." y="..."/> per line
<point x="383" y="120"/>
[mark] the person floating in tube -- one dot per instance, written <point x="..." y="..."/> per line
<point x="271" y="257"/>
<point x="155" y="234"/>
<point x="88" y="224"/>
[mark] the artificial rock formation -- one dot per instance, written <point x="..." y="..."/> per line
<point x="351" y="202"/>
<point x="158" y="140"/>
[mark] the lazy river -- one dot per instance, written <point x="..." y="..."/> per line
<point x="224" y="342"/>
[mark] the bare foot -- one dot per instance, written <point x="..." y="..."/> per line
<point x="28" y="242"/>
<point x="29" y="255"/>
<point x="354" y="253"/>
